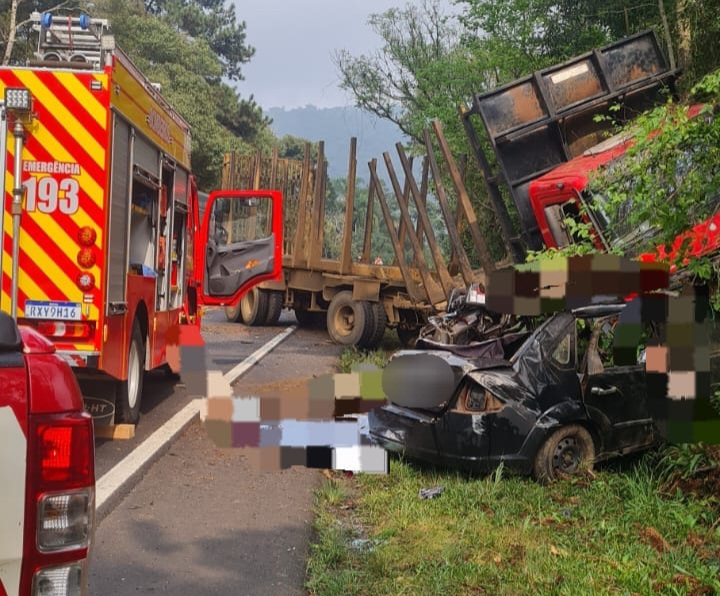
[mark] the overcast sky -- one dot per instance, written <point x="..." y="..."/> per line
<point x="295" y="41"/>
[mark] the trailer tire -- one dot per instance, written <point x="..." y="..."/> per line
<point x="232" y="313"/>
<point x="567" y="451"/>
<point x="254" y="308"/>
<point x="374" y="326"/>
<point x="275" y="305"/>
<point x="128" y="393"/>
<point x="347" y="319"/>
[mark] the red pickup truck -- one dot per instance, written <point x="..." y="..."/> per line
<point x="47" y="469"/>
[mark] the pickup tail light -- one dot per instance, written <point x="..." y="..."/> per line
<point x="61" y="580"/>
<point x="64" y="520"/>
<point x="60" y="509"/>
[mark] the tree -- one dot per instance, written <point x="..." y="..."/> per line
<point x="405" y="79"/>
<point x="213" y="21"/>
<point x="190" y="74"/>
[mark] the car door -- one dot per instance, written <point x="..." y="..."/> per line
<point x="616" y="396"/>
<point x="242" y="240"/>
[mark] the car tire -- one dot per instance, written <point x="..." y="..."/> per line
<point x="374" y="326"/>
<point x="128" y="393"/>
<point x="254" y="308"/>
<point x="347" y="319"/>
<point x="567" y="451"/>
<point x="275" y="305"/>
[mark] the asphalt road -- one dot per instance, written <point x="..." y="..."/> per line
<point x="202" y="521"/>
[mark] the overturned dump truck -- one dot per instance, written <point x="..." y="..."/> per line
<point x="354" y="299"/>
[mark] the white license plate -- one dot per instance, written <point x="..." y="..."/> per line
<point x="63" y="311"/>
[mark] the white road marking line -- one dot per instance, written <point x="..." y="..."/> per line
<point x="238" y="371"/>
<point x="115" y="478"/>
<point x="145" y="453"/>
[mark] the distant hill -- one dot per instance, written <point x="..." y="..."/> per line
<point x="336" y="126"/>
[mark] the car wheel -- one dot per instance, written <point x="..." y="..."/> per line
<point x="567" y="451"/>
<point x="128" y="393"/>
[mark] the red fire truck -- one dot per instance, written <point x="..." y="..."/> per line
<point x="101" y="245"/>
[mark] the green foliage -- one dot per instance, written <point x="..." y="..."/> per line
<point x="351" y="357"/>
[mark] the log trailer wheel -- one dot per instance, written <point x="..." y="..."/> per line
<point x="349" y="321"/>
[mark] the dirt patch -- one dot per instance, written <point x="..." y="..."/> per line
<point x="653" y="538"/>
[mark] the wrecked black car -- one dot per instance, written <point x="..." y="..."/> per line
<point x="550" y="407"/>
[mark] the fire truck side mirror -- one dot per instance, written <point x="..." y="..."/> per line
<point x="241" y="243"/>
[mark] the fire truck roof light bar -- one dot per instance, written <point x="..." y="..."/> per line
<point x="17" y="99"/>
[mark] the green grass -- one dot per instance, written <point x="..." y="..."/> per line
<point x="351" y="356"/>
<point x="616" y="534"/>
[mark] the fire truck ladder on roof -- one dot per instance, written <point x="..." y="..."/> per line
<point x="72" y="39"/>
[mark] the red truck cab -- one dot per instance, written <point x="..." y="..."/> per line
<point x="47" y="469"/>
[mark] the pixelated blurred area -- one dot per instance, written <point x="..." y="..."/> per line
<point x="672" y="329"/>
<point x="567" y="283"/>
<point x="317" y="423"/>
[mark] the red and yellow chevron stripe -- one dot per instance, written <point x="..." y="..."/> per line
<point x="65" y="179"/>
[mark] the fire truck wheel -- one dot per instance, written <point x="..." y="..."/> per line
<point x="275" y="305"/>
<point x="254" y="307"/>
<point x="375" y="327"/>
<point x="129" y="392"/>
<point x="232" y="313"/>
<point x="347" y="319"/>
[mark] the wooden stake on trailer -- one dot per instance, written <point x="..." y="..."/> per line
<point x="406" y="201"/>
<point x="256" y="171"/>
<point x="454" y="264"/>
<point x="274" y="168"/>
<point x="346" y="254"/>
<point x="367" y="240"/>
<point x="423" y="197"/>
<point x="486" y="259"/>
<point x="298" y="256"/>
<point x="424" y="225"/>
<point x="455" y="241"/>
<point x="434" y="292"/>
<point x="412" y="287"/>
<point x="318" y="209"/>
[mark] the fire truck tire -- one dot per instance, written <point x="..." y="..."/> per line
<point x="232" y="313"/>
<point x="275" y="306"/>
<point x="129" y="392"/>
<point x="347" y="319"/>
<point x="375" y="327"/>
<point x="254" y="308"/>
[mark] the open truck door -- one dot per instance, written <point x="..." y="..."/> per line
<point x="241" y="244"/>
